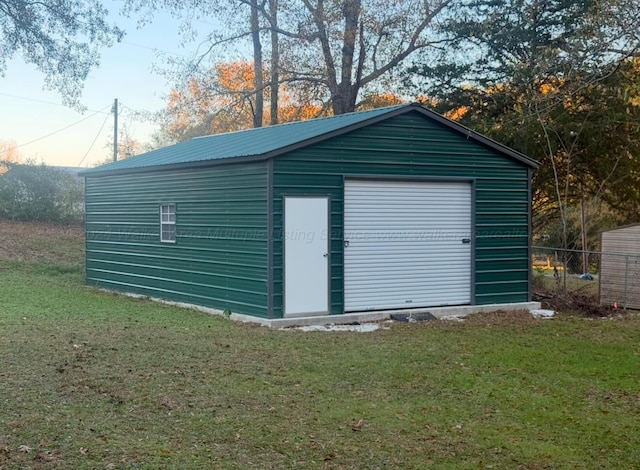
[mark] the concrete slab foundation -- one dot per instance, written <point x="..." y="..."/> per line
<point x="363" y="317"/>
<point x="442" y="313"/>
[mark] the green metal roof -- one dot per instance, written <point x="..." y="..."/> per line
<point x="266" y="142"/>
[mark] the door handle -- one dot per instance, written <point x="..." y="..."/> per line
<point x="346" y="243"/>
<point x="325" y="255"/>
<point x="466" y="241"/>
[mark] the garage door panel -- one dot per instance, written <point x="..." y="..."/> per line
<point x="392" y="303"/>
<point x="405" y="287"/>
<point x="417" y="208"/>
<point x="390" y="203"/>
<point x="381" y="268"/>
<point x="405" y="244"/>
<point x="405" y="297"/>
<point x="402" y="294"/>
<point x="366" y="252"/>
<point x="391" y="262"/>
<point x="426" y="281"/>
<point x="398" y="220"/>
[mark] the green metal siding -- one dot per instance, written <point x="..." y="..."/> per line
<point x="410" y="146"/>
<point x="220" y="257"/>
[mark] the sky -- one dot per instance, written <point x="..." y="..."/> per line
<point x="49" y="132"/>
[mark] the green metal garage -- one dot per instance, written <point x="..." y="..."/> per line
<point x="391" y="209"/>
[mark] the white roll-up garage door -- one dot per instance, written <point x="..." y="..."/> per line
<point x="407" y="244"/>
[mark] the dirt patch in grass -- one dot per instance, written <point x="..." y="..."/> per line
<point x="503" y="318"/>
<point x="32" y="241"/>
<point x="575" y="303"/>
<point x="576" y="298"/>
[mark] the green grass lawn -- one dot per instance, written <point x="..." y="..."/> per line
<point x="94" y="380"/>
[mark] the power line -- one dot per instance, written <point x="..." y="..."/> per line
<point x="63" y="129"/>
<point x="9" y="95"/>
<point x="94" y="140"/>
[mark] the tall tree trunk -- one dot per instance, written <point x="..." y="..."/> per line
<point x="344" y="101"/>
<point x="275" y="62"/>
<point x="258" y="111"/>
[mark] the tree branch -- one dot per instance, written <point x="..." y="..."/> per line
<point x="411" y="47"/>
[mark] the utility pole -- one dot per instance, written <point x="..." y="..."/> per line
<point x="115" y="129"/>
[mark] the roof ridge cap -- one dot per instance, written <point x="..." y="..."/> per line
<point x="321" y="118"/>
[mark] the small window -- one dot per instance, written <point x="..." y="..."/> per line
<point x="168" y="223"/>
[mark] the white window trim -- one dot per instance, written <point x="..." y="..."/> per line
<point x="168" y="222"/>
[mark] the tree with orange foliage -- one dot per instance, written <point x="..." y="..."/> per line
<point x="221" y="102"/>
<point x="379" y="100"/>
<point x="243" y="24"/>
<point x="331" y="53"/>
<point x="225" y="102"/>
<point x="9" y="153"/>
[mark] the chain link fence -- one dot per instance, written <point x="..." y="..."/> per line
<point x="612" y="279"/>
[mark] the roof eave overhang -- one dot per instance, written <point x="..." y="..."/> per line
<point x="175" y="166"/>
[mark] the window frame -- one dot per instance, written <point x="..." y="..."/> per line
<point x="168" y="223"/>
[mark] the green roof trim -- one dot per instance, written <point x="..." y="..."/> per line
<point x="267" y="142"/>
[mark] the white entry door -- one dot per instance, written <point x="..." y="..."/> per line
<point x="306" y="256"/>
<point x="407" y="244"/>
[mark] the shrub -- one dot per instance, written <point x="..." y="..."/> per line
<point x="40" y="193"/>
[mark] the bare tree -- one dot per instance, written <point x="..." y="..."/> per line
<point x="240" y="23"/>
<point x="329" y="50"/>
<point x="340" y="47"/>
